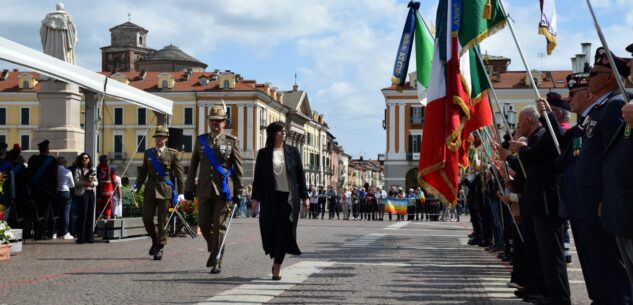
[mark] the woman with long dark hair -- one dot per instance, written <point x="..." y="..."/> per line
<point x="85" y="184"/>
<point x="279" y="188"/>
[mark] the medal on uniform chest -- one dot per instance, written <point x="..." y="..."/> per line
<point x="577" y="144"/>
<point x="590" y="127"/>
<point x="627" y="131"/>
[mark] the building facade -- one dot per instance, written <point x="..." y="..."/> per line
<point x="126" y="130"/>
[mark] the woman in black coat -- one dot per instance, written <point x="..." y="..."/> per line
<point x="279" y="189"/>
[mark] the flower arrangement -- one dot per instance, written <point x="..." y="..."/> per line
<point x="189" y="210"/>
<point x="5" y="233"/>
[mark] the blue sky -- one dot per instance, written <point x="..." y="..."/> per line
<point x="342" y="51"/>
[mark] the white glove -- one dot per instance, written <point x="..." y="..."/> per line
<point x="181" y="197"/>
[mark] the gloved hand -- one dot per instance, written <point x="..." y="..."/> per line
<point x="181" y="197"/>
<point x="189" y="195"/>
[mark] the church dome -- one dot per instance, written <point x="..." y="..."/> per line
<point x="170" y="59"/>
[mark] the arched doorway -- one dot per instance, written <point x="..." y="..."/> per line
<point x="411" y="179"/>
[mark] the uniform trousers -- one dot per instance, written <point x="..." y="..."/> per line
<point x="625" y="245"/>
<point x="603" y="269"/>
<point x="158" y="208"/>
<point x="212" y="216"/>
<point x="549" y="243"/>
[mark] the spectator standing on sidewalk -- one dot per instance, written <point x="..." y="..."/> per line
<point x="63" y="199"/>
<point x="85" y="178"/>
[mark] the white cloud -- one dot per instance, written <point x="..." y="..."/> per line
<point x="343" y="51"/>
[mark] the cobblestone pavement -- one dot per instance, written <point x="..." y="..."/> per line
<point x="343" y="262"/>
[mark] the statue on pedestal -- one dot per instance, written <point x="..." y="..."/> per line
<point x="59" y="35"/>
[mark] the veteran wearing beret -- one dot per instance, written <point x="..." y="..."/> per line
<point x="161" y="166"/>
<point x="217" y="163"/>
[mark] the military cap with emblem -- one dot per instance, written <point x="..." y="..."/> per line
<point x="554" y="99"/>
<point x="601" y="59"/>
<point x="161" y="131"/>
<point x="217" y="113"/>
<point x="43" y="144"/>
<point x="577" y="80"/>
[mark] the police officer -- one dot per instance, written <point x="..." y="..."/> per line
<point x="43" y="179"/>
<point x="220" y="178"/>
<point x="161" y="165"/>
<point x="617" y="207"/>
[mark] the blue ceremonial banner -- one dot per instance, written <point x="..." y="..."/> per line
<point x="161" y="172"/>
<point x="401" y="65"/>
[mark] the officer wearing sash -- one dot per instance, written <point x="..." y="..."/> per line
<point x="43" y="180"/>
<point x="219" y="180"/>
<point x="161" y="165"/>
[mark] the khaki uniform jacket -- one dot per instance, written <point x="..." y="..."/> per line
<point x="226" y="149"/>
<point x="155" y="187"/>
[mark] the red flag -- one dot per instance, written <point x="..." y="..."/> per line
<point x="438" y="169"/>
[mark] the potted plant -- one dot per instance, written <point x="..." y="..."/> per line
<point x="189" y="211"/>
<point x="5" y="236"/>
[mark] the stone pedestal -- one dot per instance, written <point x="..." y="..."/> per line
<point x="59" y="118"/>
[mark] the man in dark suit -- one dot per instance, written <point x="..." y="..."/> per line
<point x="617" y="185"/>
<point x="158" y="193"/>
<point x="43" y="179"/>
<point x="540" y="203"/>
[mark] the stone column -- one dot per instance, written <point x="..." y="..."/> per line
<point x="59" y="113"/>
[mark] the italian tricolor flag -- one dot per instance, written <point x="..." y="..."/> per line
<point x="460" y="26"/>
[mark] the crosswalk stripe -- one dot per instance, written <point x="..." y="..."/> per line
<point x="263" y="290"/>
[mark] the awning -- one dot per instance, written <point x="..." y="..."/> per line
<point x="24" y="56"/>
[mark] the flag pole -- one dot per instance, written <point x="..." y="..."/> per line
<point x="529" y="72"/>
<point x="501" y="186"/>
<point x="496" y="99"/>
<point x="614" y="68"/>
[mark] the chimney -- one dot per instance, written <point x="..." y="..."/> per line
<point x="586" y="49"/>
<point x="142" y="75"/>
<point x="573" y="65"/>
<point x="580" y="62"/>
<point x="295" y="88"/>
<point x="5" y="75"/>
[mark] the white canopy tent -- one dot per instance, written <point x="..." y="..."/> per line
<point x="24" y="56"/>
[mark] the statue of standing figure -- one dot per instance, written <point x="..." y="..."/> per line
<point x="59" y="35"/>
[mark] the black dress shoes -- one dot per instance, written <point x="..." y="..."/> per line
<point x="158" y="252"/>
<point x="216" y="268"/>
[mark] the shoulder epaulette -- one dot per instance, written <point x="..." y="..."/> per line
<point x="230" y="136"/>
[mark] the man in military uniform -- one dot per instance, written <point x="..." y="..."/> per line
<point x="159" y="190"/>
<point x="43" y="179"/>
<point x="617" y="205"/>
<point x="219" y="180"/>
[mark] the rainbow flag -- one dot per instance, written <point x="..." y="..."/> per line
<point x="396" y="206"/>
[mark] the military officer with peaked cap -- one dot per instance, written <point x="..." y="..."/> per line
<point x="218" y="157"/>
<point x="602" y="269"/>
<point x="617" y="187"/>
<point x="600" y="122"/>
<point x="158" y="191"/>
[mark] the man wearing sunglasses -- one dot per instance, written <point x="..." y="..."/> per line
<point x="600" y="122"/>
<point x="617" y="187"/>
